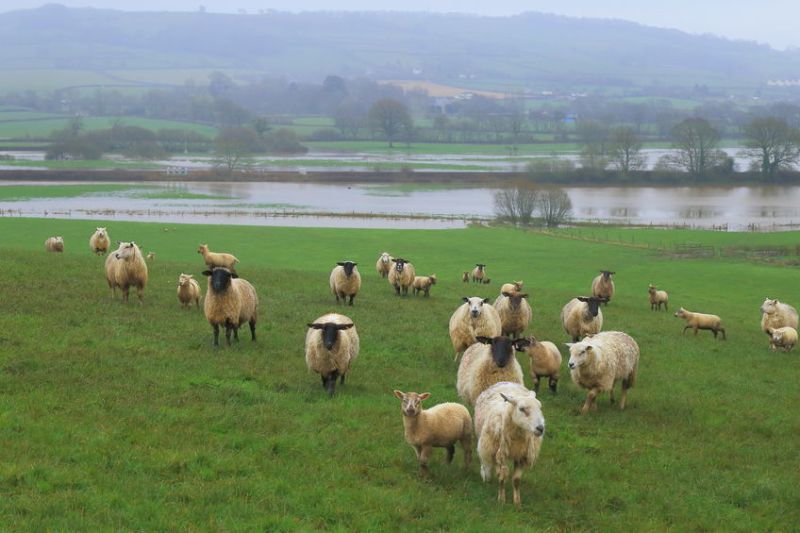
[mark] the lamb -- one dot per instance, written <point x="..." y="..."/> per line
<point x="465" y="276"/>
<point x="490" y="360"/>
<point x="54" y="244"/>
<point x="345" y="281"/>
<point x="698" y="321"/>
<point x="230" y="302"/>
<point x="440" y="426"/>
<point x="511" y="287"/>
<point x="99" y="241"/>
<point x="514" y="311"/>
<point x="598" y="362"/>
<point x="188" y="290"/>
<point x="545" y="361"/>
<point x="401" y="277"/>
<point x="785" y="337"/>
<point x="603" y="286"/>
<point x="478" y="273"/>
<point x="657" y="298"/>
<point x="423" y="284"/>
<point x="582" y="316"/>
<point x="331" y="347"/>
<point x="216" y="259"/>
<point x="471" y="319"/>
<point x="510" y="425"/>
<point x="776" y="315"/>
<point x="384" y="264"/>
<point x="151" y="256"/>
<point x="125" y="268"/>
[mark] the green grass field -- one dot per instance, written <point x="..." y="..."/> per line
<point x="23" y="124"/>
<point x="123" y="417"/>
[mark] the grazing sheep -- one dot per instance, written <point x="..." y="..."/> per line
<point x="384" y="264"/>
<point x="776" y="315"/>
<point x="401" y="277"/>
<point x="598" y="362"/>
<point x="345" y="281"/>
<point x="657" y="298"/>
<point x="514" y="311"/>
<point x="471" y="319"/>
<point x="582" y="316"/>
<point x="603" y="286"/>
<point x="511" y="287"/>
<point x="488" y="361"/>
<point x="423" y="283"/>
<point x="54" y="244"/>
<point x="151" y="256"/>
<point x="230" y="302"/>
<point x="698" y="321"/>
<point x="441" y="426"/>
<point x="785" y="337"/>
<point x="478" y="273"/>
<point x="331" y="347"/>
<point x="509" y="425"/>
<point x="125" y="268"/>
<point x="545" y="361"/>
<point x="99" y="241"/>
<point x="216" y="259"/>
<point x="188" y="290"/>
<point x="465" y="276"/>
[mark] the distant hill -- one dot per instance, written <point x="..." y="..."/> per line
<point x="532" y="49"/>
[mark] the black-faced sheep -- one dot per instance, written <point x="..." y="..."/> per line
<point x="582" y="316"/>
<point x="478" y="273"/>
<point x="332" y="345"/>
<point x="698" y="321"/>
<point x="471" y="319"/>
<point x="488" y="361"/>
<point x="345" y="281"/>
<point x="401" y="277"/>
<point x="230" y="302"/>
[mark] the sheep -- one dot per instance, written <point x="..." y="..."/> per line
<point x="151" y="256"/>
<point x="188" y="290"/>
<point x="423" y="284"/>
<point x="545" y="361"/>
<point x="603" y="286"/>
<point x="471" y="319"/>
<point x="698" y="321"/>
<point x="785" y="337"/>
<point x="465" y="276"/>
<point x="331" y="347"/>
<point x="125" y="268"/>
<point x="657" y="298"/>
<point x="401" y="277"/>
<point x="54" y="244"/>
<point x="582" y="316"/>
<point x="99" y="241"/>
<point x="514" y="311"/>
<point x="230" y="302"/>
<point x="776" y="314"/>
<point x="441" y="426"/>
<point x="216" y="259"/>
<point x="599" y="361"/>
<point x="345" y="281"/>
<point x="384" y="264"/>
<point x="478" y="273"/>
<point x="490" y="360"/>
<point x="509" y="425"/>
<point x="511" y="287"/>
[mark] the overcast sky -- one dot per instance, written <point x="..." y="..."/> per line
<point x="775" y="22"/>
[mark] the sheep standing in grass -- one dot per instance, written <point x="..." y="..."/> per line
<point x="125" y="268"/>
<point x="511" y="287"/>
<point x="441" y="426"/>
<point x="785" y="338"/>
<point x="582" y="316"/>
<point x="478" y="273"/>
<point x="217" y="259"/>
<point x="698" y="321"/>
<point x="384" y="264"/>
<point x="331" y="347"/>
<point x="514" y="311"/>
<point x="230" y="302"/>
<point x="545" y="361"/>
<point x="99" y="241"/>
<point x="470" y="320"/>
<point x="465" y="276"/>
<point x="603" y="286"/>
<point x="345" y="281"/>
<point x="657" y="298"/>
<point x="54" y="244"/>
<point x="509" y="425"/>
<point x="488" y="361"/>
<point x="151" y="256"/>
<point x="423" y="284"/>
<point x="401" y="277"/>
<point x="598" y="362"/>
<point x="188" y="291"/>
<point x="775" y="314"/>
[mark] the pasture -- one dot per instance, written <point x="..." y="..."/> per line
<point x="123" y="417"/>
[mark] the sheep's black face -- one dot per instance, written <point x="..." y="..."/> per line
<point x="348" y="267"/>
<point x="593" y="303"/>
<point x="502" y="349"/>
<point x="607" y="274"/>
<point x="330" y="332"/>
<point x="399" y="264"/>
<point x="516" y="299"/>
<point x="220" y="278"/>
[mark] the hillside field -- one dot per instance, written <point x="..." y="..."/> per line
<point x="121" y="417"/>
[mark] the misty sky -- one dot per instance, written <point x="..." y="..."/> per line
<point x="768" y="21"/>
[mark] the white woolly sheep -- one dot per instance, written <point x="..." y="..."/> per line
<point x="509" y="425"/>
<point x="657" y="298"/>
<point x="478" y="273"/>
<point x="488" y="361"/>
<point x="423" y="284"/>
<point x="151" y="256"/>
<point x="332" y="345"/>
<point x="598" y="362"/>
<point x="582" y="316"/>
<point x="345" y="281"/>
<point x="511" y="287"/>
<point x="217" y="259"/>
<point x="545" y="359"/>
<point x="188" y="290"/>
<point x="441" y="426"/>
<point x="125" y="268"/>
<point x="603" y="286"/>
<point x="99" y="241"/>
<point x="514" y="311"/>
<point x="401" y="277"/>
<point x="384" y="264"/>
<point x="775" y="314"/>
<point x="785" y="338"/>
<point x="54" y="244"/>
<point x="230" y="301"/>
<point x="698" y="321"/>
<point x="471" y="319"/>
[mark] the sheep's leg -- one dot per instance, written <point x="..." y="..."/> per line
<point x="536" y="383"/>
<point x="341" y="379"/>
<point x="515" y="483"/>
<point x="466" y="447"/>
<point x="685" y="328"/>
<point x="253" y="330"/>
<point x="553" y="383"/>
<point x="140" y="294"/>
<point x="228" y="331"/>
<point x="666" y="306"/>
<point x="336" y="293"/>
<point x="722" y="330"/>
<point x="502" y="474"/>
<point x="611" y="394"/>
<point x="424" y="456"/>
<point x="590" y="401"/>
<point x="331" y="383"/>
<point x="125" y="292"/>
<point x="216" y="335"/>
<point x="351" y="298"/>
<point x="696" y="329"/>
<point x="624" y="396"/>
<point x="236" y="333"/>
<point x="397" y="290"/>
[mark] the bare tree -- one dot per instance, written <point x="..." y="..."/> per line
<point x="232" y="146"/>
<point x="772" y="145"/>
<point x="554" y="207"/>
<point x="516" y="204"/>
<point x="626" y="150"/>
<point x="593" y="138"/>
<point x="391" y="118"/>
<point x="696" y="143"/>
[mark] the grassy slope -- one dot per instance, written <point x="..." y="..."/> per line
<point x="23" y="126"/>
<point x="120" y="417"/>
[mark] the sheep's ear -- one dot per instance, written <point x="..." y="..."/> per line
<point x="589" y="348"/>
<point x="206" y="272"/>
<point x="344" y="326"/>
<point x="523" y="295"/>
<point x="484" y="340"/>
<point x="424" y="396"/>
<point x="315" y="326"/>
<point x="521" y="344"/>
<point x="466" y="300"/>
<point x="583" y="298"/>
<point x="509" y="399"/>
<point x="234" y="275"/>
<point x="569" y="344"/>
<point x="506" y="294"/>
<point x="486" y="300"/>
<point x="341" y="264"/>
<point x="354" y="264"/>
<point x="397" y="393"/>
